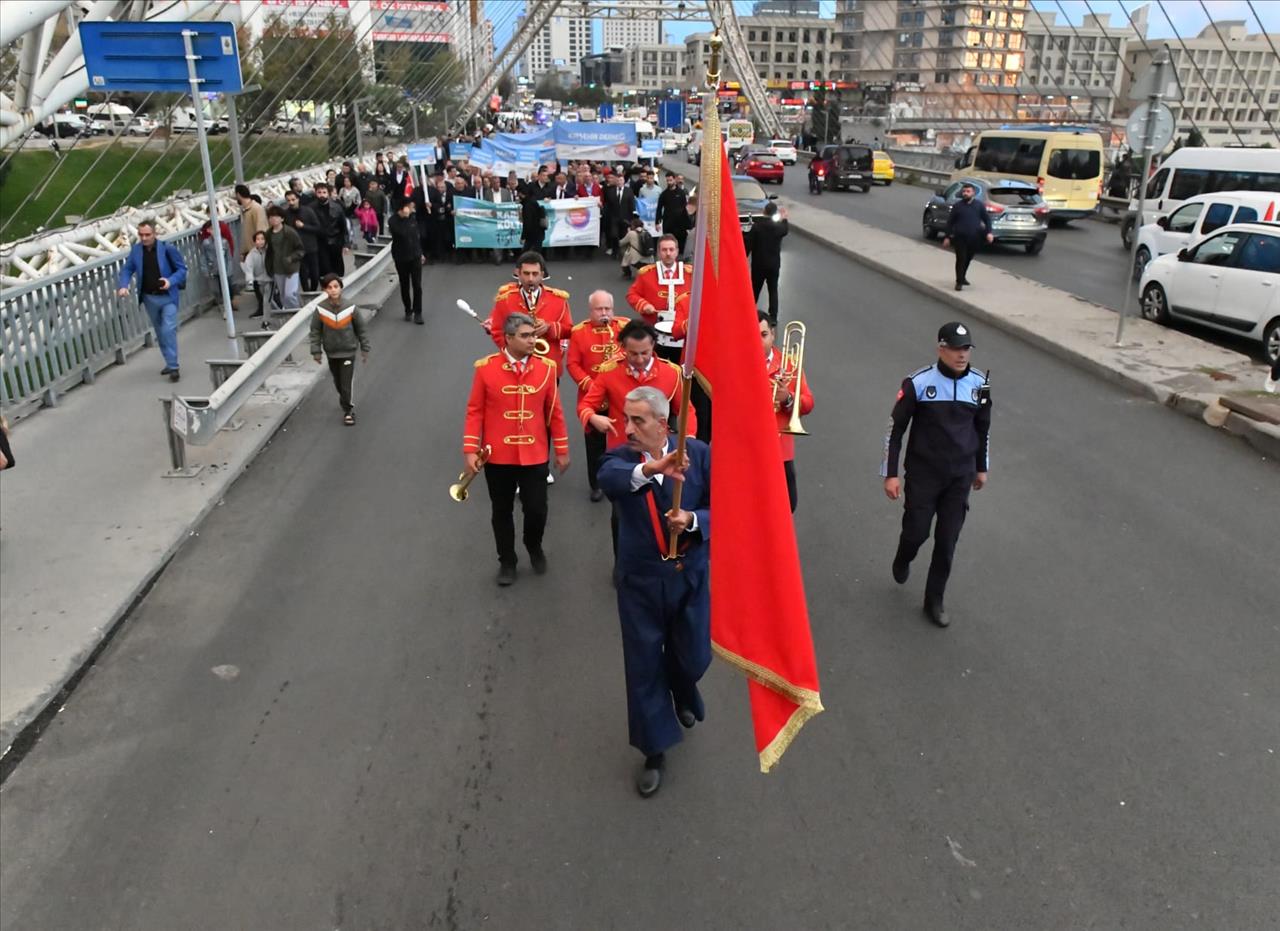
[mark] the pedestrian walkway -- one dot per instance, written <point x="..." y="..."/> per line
<point x="88" y="518"/>
<point x="1172" y="368"/>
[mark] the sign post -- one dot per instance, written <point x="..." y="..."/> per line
<point x="1155" y="86"/>
<point x="172" y="56"/>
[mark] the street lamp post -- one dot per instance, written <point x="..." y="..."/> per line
<point x="359" y="135"/>
<point x="233" y="130"/>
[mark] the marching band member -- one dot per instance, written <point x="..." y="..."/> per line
<point x="784" y="401"/>
<point x="654" y="293"/>
<point x="549" y="307"/>
<point x="514" y="409"/>
<point x="592" y="345"/>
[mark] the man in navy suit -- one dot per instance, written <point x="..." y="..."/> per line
<point x="663" y="604"/>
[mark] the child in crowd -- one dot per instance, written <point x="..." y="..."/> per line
<point x="339" y="331"/>
<point x="368" y="219"/>
<point x="254" y="267"/>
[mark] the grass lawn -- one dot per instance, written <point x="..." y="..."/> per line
<point x="73" y="173"/>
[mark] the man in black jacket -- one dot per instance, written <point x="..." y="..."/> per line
<point x="304" y="220"/>
<point x="613" y="219"/>
<point x="764" y="245"/>
<point x="532" y="220"/>
<point x="673" y="213"/>
<point x="335" y="233"/>
<point x="967" y="225"/>
<point x="406" y="253"/>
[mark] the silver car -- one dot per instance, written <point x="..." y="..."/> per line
<point x="1019" y="215"/>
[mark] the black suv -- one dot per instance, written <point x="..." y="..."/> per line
<point x="848" y="166"/>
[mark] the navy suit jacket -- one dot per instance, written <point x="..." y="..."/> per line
<point x="637" y="543"/>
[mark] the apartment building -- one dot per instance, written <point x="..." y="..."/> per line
<point x="1230" y="82"/>
<point x="782" y="48"/>
<point x="650" y="67"/>
<point x="1074" y="73"/>
<point x="625" y="28"/>
<point x="563" y="40"/>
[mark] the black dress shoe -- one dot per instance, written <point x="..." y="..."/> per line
<point x="538" y="560"/>
<point x="417" y="318"/>
<point x="959" y="286"/>
<point x="936" y="612"/>
<point x="174" y="375"/>
<point x="686" y="717"/>
<point x="597" y="494"/>
<point x="650" y="778"/>
<point x="965" y="282"/>
<point x="408" y="315"/>
<point x="901" y="571"/>
<point x="506" y="574"/>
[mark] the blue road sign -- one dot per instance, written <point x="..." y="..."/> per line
<point x="150" y="57"/>
<point x="606" y="111"/>
<point x="670" y="114"/>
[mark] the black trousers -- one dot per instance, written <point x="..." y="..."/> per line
<point x="331" y="260"/>
<point x="262" y="298"/>
<point x="681" y="236"/>
<point x="595" y="443"/>
<point x="343" y="372"/>
<point x="965" y="250"/>
<point x="927" y="495"/>
<point x="410" y="274"/>
<point x="759" y="278"/>
<point x="531" y="482"/>
<point x="309" y="272"/>
<point x="789" y="469"/>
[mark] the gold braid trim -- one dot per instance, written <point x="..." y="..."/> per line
<point x="771" y="754"/>
<point x="767" y="677"/>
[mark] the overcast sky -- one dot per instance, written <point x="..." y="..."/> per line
<point x="1185" y="17"/>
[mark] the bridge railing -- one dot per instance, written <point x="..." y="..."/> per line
<point x="60" y="331"/>
<point x="197" y="420"/>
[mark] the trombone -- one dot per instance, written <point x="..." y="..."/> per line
<point x="789" y="372"/>
<point x="540" y="346"/>
<point x="458" y="490"/>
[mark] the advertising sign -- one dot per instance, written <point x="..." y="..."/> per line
<point x="479" y="224"/>
<point x="651" y="148"/>
<point x="611" y="142"/>
<point x="460" y="151"/>
<point x="411" y="21"/>
<point x="572" y="222"/>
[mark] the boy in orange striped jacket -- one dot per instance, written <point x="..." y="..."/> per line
<point x="339" y="331"/>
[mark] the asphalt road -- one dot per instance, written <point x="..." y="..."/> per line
<point x="325" y="714"/>
<point x="1084" y="257"/>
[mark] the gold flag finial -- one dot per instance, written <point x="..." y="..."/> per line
<point x="713" y="66"/>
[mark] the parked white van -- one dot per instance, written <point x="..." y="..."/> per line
<point x="1198" y="217"/>
<point x="1203" y="170"/>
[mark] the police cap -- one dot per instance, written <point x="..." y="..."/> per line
<point x="955" y="335"/>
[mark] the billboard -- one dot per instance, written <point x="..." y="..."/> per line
<point x="311" y="16"/>
<point x="411" y="21"/>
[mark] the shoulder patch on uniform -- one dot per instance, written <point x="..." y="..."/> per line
<point x="645" y="268"/>
<point x="678" y="369"/>
<point x="579" y="326"/>
<point x="978" y="373"/>
<point x="920" y="371"/>
<point x="550" y="363"/>
<point x="557" y="291"/>
<point x="607" y="367"/>
<point x="621" y="321"/>
<point x="480" y="363"/>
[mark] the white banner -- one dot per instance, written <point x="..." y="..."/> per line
<point x="573" y="221"/>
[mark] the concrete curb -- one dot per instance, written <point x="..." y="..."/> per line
<point x="264" y="415"/>
<point x="1263" y="437"/>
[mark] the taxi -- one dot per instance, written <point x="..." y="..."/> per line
<point x="882" y="168"/>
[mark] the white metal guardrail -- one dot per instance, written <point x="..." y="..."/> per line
<point x="197" y="420"/>
<point x="60" y="331"/>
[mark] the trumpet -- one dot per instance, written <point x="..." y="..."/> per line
<point x="458" y="490"/>
<point x="789" y="372"/>
<point x="540" y="346"/>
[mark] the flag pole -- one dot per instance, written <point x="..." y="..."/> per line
<point x="708" y="206"/>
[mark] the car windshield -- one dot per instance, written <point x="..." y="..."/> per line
<point x="744" y="189"/>
<point x="1014" y="196"/>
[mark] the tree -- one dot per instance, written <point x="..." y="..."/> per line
<point x="506" y="86"/>
<point x="1194" y="139"/>
<point x="549" y="88"/>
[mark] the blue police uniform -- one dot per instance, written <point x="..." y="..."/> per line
<point x="663" y="605"/>
<point x="949" y="414"/>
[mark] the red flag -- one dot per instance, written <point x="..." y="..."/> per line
<point x="759" y="620"/>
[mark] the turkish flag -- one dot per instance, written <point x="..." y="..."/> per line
<point x="759" y="620"/>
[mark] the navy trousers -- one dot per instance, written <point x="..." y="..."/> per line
<point x="926" y="495"/>
<point x="666" y="648"/>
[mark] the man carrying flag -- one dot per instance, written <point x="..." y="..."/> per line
<point x="663" y="603"/>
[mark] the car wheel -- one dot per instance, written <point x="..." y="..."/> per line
<point x="929" y="232"/>
<point x="1155" y="305"/>
<point x="865" y="188"/>
<point x="1126" y="232"/>
<point x="1271" y="340"/>
<point x="889" y="182"/>
<point x="1034" y="247"/>
<point x="1140" y="262"/>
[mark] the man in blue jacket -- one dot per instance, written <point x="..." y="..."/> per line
<point x="664" y="604"/>
<point x="161" y="273"/>
<point x="967" y="225"/>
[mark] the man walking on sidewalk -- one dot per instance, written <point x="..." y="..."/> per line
<point x="967" y="226"/>
<point x="161" y="273"/>
<point x="339" y="332"/>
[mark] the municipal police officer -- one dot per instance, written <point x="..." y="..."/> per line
<point x="948" y="407"/>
